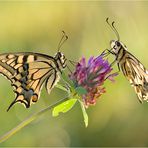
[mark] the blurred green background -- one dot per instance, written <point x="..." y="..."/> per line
<point x="118" y="119"/>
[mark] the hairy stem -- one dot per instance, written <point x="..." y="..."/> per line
<point x="29" y="120"/>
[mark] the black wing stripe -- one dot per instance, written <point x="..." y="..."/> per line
<point x="47" y="82"/>
<point x="25" y="58"/>
<point x="41" y="78"/>
<point x="55" y="77"/>
<point x="45" y="75"/>
<point x="7" y="67"/>
<point x="41" y="83"/>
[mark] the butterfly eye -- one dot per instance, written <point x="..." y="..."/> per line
<point x="118" y="44"/>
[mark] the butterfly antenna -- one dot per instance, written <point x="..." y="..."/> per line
<point x="63" y="39"/>
<point x="117" y="33"/>
<point x="113" y="28"/>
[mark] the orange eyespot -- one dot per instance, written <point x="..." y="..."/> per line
<point x="34" y="98"/>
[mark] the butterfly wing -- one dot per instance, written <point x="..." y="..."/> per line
<point x="27" y="73"/>
<point x="137" y="75"/>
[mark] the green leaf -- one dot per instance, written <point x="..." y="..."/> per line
<point x="84" y="113"/>
<point x="80" y="90"/>
<point x="63" y="107"/>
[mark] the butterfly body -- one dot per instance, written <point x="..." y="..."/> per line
<point x="132" y="69"/>
<point x="29" y="71"/>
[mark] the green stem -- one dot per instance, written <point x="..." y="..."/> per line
<point x="29" y="120"/>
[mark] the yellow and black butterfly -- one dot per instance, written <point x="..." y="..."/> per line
<point x="131" y="67"/>
<point x="28" y="72"/>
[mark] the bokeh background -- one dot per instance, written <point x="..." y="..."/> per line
<point x="118" y="119"/>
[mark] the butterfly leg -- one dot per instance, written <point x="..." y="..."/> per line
<point x="117" y="65"/>
<point x="69" y="69"/>
<point x="116" y="73"/>
<point x="104" y="53"/>
<point x="67" y="87"/>
<point x="109" y="51"/>
<point x="73" y="62"/>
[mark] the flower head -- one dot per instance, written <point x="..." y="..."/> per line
<point x="91" y="76"/>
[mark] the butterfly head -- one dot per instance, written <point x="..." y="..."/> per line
<point x="61" y="60"/>
<point x="116" y="46"/>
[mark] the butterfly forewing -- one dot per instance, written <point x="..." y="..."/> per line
<point x="132" y="68"/>
<point x="27" y="73"/>
<point x="6" y="70"/>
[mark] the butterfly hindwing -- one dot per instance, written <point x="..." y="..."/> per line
<point x="137" y="75"/>
<point x="27" y="73"/>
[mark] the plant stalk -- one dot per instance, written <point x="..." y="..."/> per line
<point x="29" y="120"/>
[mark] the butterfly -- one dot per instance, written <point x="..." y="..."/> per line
<point x="28" y="71"/>
<point x="131" y="67"/>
